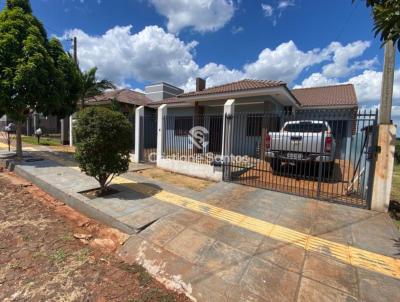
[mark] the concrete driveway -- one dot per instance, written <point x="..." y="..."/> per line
<point x="235" y="243"/>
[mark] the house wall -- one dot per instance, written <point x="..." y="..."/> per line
<point x="183" y="144"/>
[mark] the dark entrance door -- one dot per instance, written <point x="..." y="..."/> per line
<point x="148" y="136"/>
<point x="215" y="134"/>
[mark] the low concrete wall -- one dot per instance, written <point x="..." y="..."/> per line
<point x="191" y="169"/>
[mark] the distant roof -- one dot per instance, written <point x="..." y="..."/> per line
<point x="242" y="85"/>
<point x="121" y="95"/>
<point x="327" y="96"/>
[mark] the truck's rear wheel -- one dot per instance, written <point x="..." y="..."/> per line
<point x="276" y="164"/>
<point x="328" y="169"/>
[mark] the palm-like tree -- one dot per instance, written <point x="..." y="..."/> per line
<point x="92" y="87"/>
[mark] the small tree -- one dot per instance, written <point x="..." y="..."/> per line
<point x="103" y="143"/>
<point x="92" y="87"/>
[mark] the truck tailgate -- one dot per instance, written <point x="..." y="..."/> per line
<point x="296" y="142"/>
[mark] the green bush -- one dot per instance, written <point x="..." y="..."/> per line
<point x="103" y="142"/>
<point x="397" y="152"/>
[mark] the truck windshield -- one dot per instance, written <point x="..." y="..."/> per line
<point x="305" y="127"/>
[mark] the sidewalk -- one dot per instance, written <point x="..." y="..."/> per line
<point x="233" y="243"/>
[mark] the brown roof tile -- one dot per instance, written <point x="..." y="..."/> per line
<point x="121" y="95"/>
<point x="235" y="86"/>
<point x="326" y="96"/>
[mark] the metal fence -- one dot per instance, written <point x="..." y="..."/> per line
<point x="194" y="138"/>
<point x="322" y="154"/>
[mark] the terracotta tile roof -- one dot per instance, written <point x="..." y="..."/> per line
<point x="121" y="95"/>
<point x="327" y="96"/>
<point x="234" y="87"/>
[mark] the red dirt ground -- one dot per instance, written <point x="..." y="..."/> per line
<point x="50" y="252"/>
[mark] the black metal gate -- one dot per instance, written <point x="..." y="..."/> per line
<point x="322" y="154"/>
<point x="148" y="137"/>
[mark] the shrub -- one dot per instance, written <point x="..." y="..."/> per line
<point x="397" y="152"/>
<point x="103" y="142"/>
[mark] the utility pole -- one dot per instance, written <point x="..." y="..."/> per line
<point x="387" y="84"/>
<point x="66" y="124"/>
<point x="75" y="56"/>
<point x="386" y="137"/>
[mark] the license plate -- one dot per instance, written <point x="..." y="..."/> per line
<point x="295" y="155"/>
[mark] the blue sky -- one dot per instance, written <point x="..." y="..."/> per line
<point x="303" y="42"/>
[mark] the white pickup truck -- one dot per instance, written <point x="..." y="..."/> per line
<point x="301" y="142"/>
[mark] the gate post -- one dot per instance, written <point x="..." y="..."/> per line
<point x="162" y="112"/>
<point x="139" y="115"/>
<point x="384" y="168"/>
<point x="227" y="130"/>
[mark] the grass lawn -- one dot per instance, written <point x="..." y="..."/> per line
<point x="44" y="141"/>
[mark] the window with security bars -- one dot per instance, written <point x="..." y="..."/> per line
<point x="254" y="125"/>
<point x="183" y="124"/>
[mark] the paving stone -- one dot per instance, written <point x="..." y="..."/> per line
<point x="241" y="239"/>
<point x="295" y="222"/>
<point x="267" y="280"/>
<point x="162" y="231"/>
<point x="376" y="234"/>
<point x="283" y="254"/>
<point x="147" y="215"/>
<point x="225" y="262"/>
<point x="378" y="287"/>
<point x="331" y="272"/>
<point x="237" y="293"/>
<point x="209" y="225"/>
<point x="311" y="290"/>
<point x="185" y="217"/>
<point x="190" y="245"/>
<point x="324" y="229"/>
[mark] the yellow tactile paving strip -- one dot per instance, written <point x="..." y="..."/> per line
<point x="345" y="253"/>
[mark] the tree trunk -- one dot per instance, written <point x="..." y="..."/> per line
<point x="102" y="182"/>
<point x="19" y="139"/>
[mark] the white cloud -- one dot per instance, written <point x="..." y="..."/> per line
<point x="316" y="79"/>
<point x="368" y="86"/>
<point x="201" y="15"/>
<point x="285" y="62"/>
<point x="267" y="9"/>
<point x="149" y="55"/>
<point x="237" y="29"/>
<point x="276" y="12"/>
<point x="284" y="4"/>
<point x="342" y="55"/>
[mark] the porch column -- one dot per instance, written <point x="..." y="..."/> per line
<point x="161" y="114"/>
<point x="227" y="131"/>
<point x="139" y="115"/>
<point x="384" y="168"/>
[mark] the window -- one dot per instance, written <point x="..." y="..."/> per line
<point x="183" y="124"/>
<point x="305" y="127"/>
<point x="254" y="125"/>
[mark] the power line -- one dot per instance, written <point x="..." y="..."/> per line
<point x="347" y="21"/>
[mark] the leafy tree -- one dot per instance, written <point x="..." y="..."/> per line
<point x="103" y="142"/>
<point x="70" y="79"/>
<point x="386" y="15"/>
<point x="29" y="76"/>
<point x="92" y="87"/>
